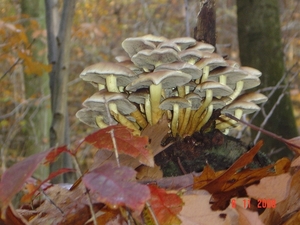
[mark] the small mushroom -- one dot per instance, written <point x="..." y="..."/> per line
<point x="135" y="44"/>
<point x="117" y="104"/>
<point x="156" y="81"/>
<point x="225" y="75"/>
<point x="110" y="74"/>
<point x="195" y="101"/>
<point x="204" y="47"/>
<point x="174" y="104"/>
<point x="150" y="59"/>
<point x="237" y="108"/>
<point x="207" y="89"/>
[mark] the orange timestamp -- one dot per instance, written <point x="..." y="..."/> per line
<point x="263" y="203"/>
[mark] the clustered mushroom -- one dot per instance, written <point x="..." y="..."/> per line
<point x="179" y="77"/>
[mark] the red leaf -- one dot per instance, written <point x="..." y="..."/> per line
<point x="28" y="196"/>
<point x="51" y="157"/>
<point x="14" y="178"/>
<point x="116" y="186"/>
<point x="165" y="206"/>
<point x="134" y="146"/>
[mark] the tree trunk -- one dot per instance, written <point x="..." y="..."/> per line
<point x="260" y="47"/>
<point x="205" y="29"/>
<point x="59" y="55"/>
<point x="39" y="116"/>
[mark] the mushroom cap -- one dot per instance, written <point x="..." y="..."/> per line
<point x="204" y="47"/>
<point x="100" y="100"/>
<point x="184" y="67"/>
<point x="194" y="99"/>
<point x="217" y="103"/>
<point x="133" y="45"/>
<point x="247" y="107"/>
<point x="139" y="96"/>
<point x="233" y="63"/>
<point x="98" y="72"/>
<point x="232" y="74"/>
<point x="122" y="58"/>
<point x="217" y="88"/>
<point x="149" y="59"/>
<point x="183" y="42"/>
<point x="212" y="60"/>
<point x="154" y="39"/>
<point x="168" y="103"/>
<point x="251" y="71"/>
<point x="169" y="44"/>
<point x="191" y="55"/>
<point x="250" y="81"/>
<point x="168" y="79"/>
<point x="130" y="65"/>
<point x="88" y="116"/>
<point x="254" y="97"/>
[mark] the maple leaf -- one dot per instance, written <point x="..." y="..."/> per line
<point x="116" y="186"/>
<point x="165" y="206"/>
<point x="127" y="143"/>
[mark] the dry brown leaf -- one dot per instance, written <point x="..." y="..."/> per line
<point x="207" y="175"/>
<point x="156" y="133"/>
<point x="278" y="184"/>
<point x="282" y="165"/>
<point x="148" y="173"/>
<point x="197" y="211"/>
<point x="287" y="207"/>
<point x="294" y="220"/>
<point x="247" y="217"/>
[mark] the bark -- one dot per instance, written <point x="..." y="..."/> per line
<point x="260" y="47"/>
<point x="206" y="23"/>
<point x="59" y="56"/>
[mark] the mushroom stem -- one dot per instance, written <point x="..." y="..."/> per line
<point x="198" y="113"/>
<point x="206" y="117"/>
<point x="111" y="83"/>
<point x="140" y="119"/>
<point x="174" y="123"/>
<point x="155" y="95"/>
<point x="185" y="121"/>
<point x="230" y="122"/>
<point x="122" y="119"/>
<point x="148" y="110"/>
<point x="100" y="123"/>
<point x="205" y="74"/>
<point x="223" y="79"/>
<point x="238" y="89"/>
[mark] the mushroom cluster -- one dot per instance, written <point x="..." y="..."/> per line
<point x="179" y="77"/>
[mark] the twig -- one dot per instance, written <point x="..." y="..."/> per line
<point x="90" y="203"/>
<point x="268" y="116"/>
<point x="152" y="213"/>
<point x="270" y="134"/>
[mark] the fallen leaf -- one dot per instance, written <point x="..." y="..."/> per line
<point x="247" y="217"/>
<point x="196" y="211"/>
<point x="165" y="206"/>
<point x="279" y="185"/>
<point x="207" y="175"/>
<point x="14" y="177"/>
<point x="126" y="142"/>
<point x="149" y="173"/>
<point x="116" y="186"/>
<point x="156" y="133"/>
